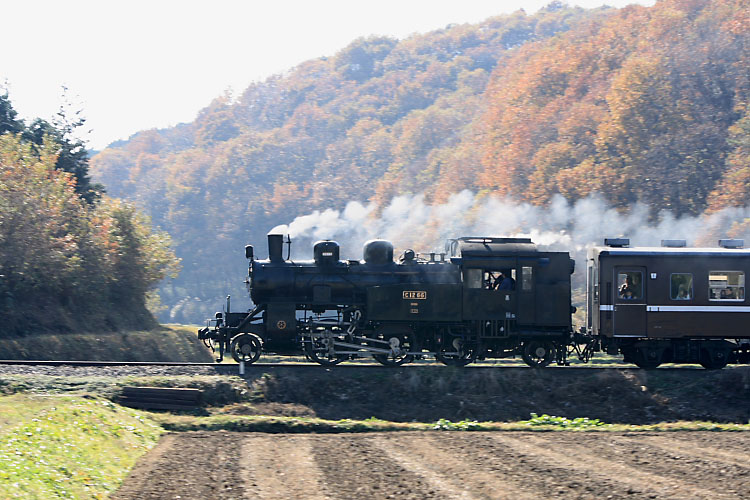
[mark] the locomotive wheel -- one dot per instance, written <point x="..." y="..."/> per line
<point x="317" y="350"/>
<point x="246" y="348"/>
<point x="458" y="354"/>
<point x="400" y="345"/>
<point x="538" y="354"/>
<point x="645" y="358"/>
<point x="455" y="360"/>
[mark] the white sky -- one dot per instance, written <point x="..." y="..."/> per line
<point x="141" y="64"/>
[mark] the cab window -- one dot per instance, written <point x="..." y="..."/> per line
<point x="473" y="278"/>
<point x="490" y="279"/>
<point x="527" y="278"/>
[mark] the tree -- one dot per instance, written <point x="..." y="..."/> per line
<point x="8" y="122"/>
<point x="734" y="188"/>
<point x="72" y="156"/>
<point x="65" y="259"/>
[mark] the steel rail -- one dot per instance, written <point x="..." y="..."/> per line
<point x="342" y="366"/>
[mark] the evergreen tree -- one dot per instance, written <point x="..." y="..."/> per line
<point x="8" y="122"/>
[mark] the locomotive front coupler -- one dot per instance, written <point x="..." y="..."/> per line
<point x="217" y="334"/>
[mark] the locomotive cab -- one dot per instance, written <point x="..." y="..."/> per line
<point x="510" y="280"/>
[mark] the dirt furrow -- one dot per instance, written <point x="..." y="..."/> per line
<point x="690" y="464"/>
<point x="442" y="465"/>
<point x="699" y="464"/>
<point x="733" y="443"/>
<point x="527" y="475"/>
<point x="185" y="466"/>
<point x="281" y="467"/>
<point x="446" y="472"/>
<point x="356" y="468"/>
<point x="593" y="457"/>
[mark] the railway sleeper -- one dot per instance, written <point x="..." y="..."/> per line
<point x="161" y="398"/>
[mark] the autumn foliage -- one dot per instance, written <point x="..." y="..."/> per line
<point x="638" y="104"/>
<point x="66" y="264"/>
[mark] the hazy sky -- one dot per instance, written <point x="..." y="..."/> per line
<point x="141" y="64"/>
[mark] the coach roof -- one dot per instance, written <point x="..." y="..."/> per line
<point x="685" y="252"/>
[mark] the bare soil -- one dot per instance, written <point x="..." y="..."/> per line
<point x="411" y="465"/>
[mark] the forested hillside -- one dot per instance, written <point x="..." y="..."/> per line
<point x="639" y="105"/>
<point x="71" y="259"/>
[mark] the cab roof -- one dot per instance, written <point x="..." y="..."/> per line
<point x="480" y="246"/>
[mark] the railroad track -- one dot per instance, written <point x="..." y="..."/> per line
<point x="229" y="367"/>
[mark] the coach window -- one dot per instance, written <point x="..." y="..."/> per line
<point x="681" y="286"/>
<point x="726" y="285"/>
<point x="630" y="285"/>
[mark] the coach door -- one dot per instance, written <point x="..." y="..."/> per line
<point x="629" y="315"/>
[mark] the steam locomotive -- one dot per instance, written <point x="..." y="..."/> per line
<point x="491" y="298"/>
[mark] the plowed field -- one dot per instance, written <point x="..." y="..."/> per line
<point x="463" y="465"/>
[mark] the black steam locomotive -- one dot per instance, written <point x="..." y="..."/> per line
<point x="489" y="298"/>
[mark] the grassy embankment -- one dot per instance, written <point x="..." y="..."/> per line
<point x="279" y="399"/>
<point x="68" y="446"/>
<point x="167" y="343"/>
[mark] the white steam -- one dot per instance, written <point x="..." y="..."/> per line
<point x="409" y="222"/>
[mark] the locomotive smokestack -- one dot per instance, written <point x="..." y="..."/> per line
<point x="275" y="245"/>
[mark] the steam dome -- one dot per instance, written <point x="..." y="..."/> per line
<point x="378" y="252"/>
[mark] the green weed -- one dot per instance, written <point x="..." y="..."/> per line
<point x="464" y="425"/>
<point x="565" y="423"/>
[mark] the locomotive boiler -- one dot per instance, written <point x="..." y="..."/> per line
<point x="483" y="298"/>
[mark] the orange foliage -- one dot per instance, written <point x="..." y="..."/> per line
<point x="635" y="105"/>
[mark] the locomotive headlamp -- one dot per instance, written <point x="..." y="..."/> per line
<point x="249" y="252"/>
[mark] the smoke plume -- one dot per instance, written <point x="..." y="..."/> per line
<point x="409" y="222"/>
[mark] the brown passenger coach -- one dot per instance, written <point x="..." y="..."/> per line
<point x="670" y="303"/>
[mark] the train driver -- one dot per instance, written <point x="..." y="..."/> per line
<point x="504" y="282"/>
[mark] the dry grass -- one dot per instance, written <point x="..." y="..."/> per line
<point x="166" y="343"/>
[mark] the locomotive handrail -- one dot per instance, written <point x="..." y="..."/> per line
<point x="251" y="315"/>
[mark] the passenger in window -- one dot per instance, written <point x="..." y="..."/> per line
<point x="627" y="290"/>
<point x="684" y="293"/>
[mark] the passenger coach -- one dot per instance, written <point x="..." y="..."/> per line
<point x="670" y="304"/>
